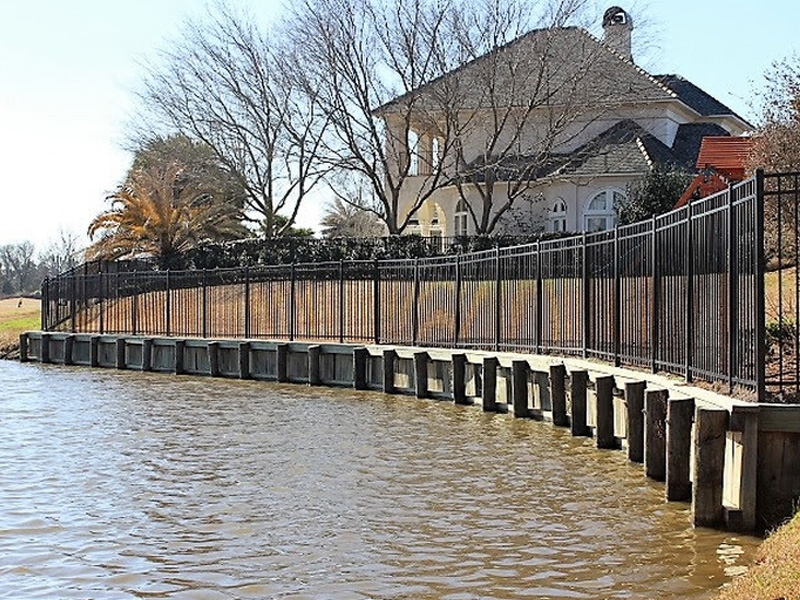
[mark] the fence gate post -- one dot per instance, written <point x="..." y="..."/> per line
<point x="689" y="269"/>
<point x="247" y="302"/>
<point x="292" y="304"/>
<point x="617" y="300"/>
<point x="655" y="308"/>
<point x="733" y="289"/>
<point x="539" y="300"/>
<point x="101" y="293"/>
<point x="204" y="314"/>
<point x="585" y="283"/>
<point x="168" y="308"/>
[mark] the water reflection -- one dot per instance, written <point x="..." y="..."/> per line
<point x="126" y="485"/>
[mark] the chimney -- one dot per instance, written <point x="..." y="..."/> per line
<point x="617" y="26"/>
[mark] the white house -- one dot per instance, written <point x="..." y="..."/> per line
<point x="579" y="122"/>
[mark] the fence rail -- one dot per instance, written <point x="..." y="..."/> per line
<point x="681" y="293"/>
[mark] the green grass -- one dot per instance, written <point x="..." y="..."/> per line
<point x="22" y="324"/>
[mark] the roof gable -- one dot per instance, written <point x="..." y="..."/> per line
<point x="695" y="98"/>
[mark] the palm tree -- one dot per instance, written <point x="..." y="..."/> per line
<point x="158" y="212"/>
<point x="346" y="220"/>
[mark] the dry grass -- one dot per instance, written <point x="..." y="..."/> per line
<point x="775" y="573"/>
<point x="16" y="318"/>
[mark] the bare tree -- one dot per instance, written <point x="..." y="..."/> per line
<point x="233" y="88"/>
<point x="19" y="267"/>
<point x="357" y="56"/>
<point x="61" y="254"/>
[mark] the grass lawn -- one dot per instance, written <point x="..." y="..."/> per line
<point x="775" y="572"/>
<point x="14" y="319"/>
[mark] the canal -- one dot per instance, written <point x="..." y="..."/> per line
<point x="138" y="485"/>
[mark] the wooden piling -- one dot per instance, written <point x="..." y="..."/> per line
<point x="360" y="359"/>
<point x="121" y="354"/>
<point x="244" y="360"/>
<point x="709" y="466"/>
<point x="69" y="348"/>
<point x="634" y="404"/>
<point x="655" y="437"/>
<point x="604" y="393"/>
<point x="44" y="348"/>
<point x="389" y="358"/>
<point x="313" y="365"/>
<point x="282" y="362"/>
<point x="178" y="367"/>
<point x="23" y="347"/>
<point x="213" y="359"/>
<point x="459" y="364"/>
<point x="745" y="420"/>
<point x="558" y="395"/>
<point x="577" y="392"/>
<point x="94" y="351"/>
<point x="489" y="387"/>
<point x="147" y="354"/>
<point x="680" y="414"/>
<point x="421" y="374"/>
<point x="519" y="387"/>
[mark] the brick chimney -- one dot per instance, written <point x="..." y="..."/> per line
<point x="617" y="28"/>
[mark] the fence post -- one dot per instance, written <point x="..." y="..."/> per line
<point x="341" y="301"/>
<point x="415" y="314"/>
<point x="376" y="300"/>
<point x="45" y="320"/>
<point x="73" y="294"/>
<point x="246" y="302"/>
<point x="134" y="300"/>
<point x="585" y="282"/>
<point x="732" y="289"/>
<point x="292" y="304"/>
<point x="689" y="269"/>
<point x="761" y="350"/>
<point x="539" y="295"/>
<point x="457" y="312"/>
<point x="168" y="308"/>
<point x="498" y="297"/>
<point x="654" y="329"/>
<point x="204" y="315"/>
<point x="617" y="300"/>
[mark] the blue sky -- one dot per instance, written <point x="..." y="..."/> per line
<point x="67" y="70"/>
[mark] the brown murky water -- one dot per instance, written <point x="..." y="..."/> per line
<point x="128" y="485"/>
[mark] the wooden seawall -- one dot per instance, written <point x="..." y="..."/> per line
<point x="738" y="463"/>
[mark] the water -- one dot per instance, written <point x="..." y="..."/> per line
<point x="130" y="485"/>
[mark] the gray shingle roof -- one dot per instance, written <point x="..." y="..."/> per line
<point x="691" y="95"/>
<point x="687" y="142"/>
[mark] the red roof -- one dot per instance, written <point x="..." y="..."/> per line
<point x="726" y="155"/>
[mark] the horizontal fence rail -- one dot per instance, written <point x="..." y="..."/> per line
<point x="681" y="293"/>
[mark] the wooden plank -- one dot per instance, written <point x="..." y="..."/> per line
<point x="655" y="438"/>
<point x="578" y="381"/>
<point x="634" y="404"/>
<point x="680" y="414"/>
<point x="44" y="348"/>
<point x="489" y="387"/>
<point x="784" y="418"/>
<point x="709" y="467"/>
<point x="558" y="395"/>
<point x="749" y="469"/>
<point x="604" y="392"/>
<point x="147" y="353"/>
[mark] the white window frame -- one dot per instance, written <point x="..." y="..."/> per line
<point x="557" y="218"/>
<point x="461" y="219"/>
<point x="605" y="217"/>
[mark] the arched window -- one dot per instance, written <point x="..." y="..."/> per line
<point x="460" y="219"/>
<point x="558" y="216"/>
<point x="600" y="214"/>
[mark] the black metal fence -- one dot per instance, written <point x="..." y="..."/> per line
<point x="680" y="293"/>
